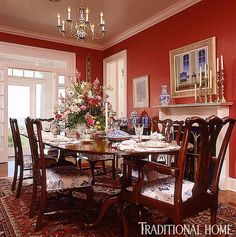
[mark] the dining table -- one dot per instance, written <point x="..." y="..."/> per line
<point x="128" y="150"/>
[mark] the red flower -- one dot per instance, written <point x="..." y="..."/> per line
<point x="58" y="117"/>
<point x="90" y="121"/>
<point x="83" y="107"/>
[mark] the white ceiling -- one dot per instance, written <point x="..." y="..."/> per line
<point x="37" y="18"/>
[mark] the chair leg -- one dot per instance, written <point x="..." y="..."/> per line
<point x="33" y="200"/>
<point x="42" y="206"/>
<point x="125" y="221"/>
<point x="114" y="167"/>
<point x="89" y="193"/>
<point x="104" y="168"/>
<point x="20" y="183"/>
<point x="213" y="212"/>
<point x="13" y="187"/>
<point x="92" y="167"/>
<point x="79" y="163"/>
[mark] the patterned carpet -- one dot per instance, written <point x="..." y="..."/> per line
<point x="14" y="220"/>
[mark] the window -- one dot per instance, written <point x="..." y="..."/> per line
<point x="186" y="63"/>
<point x="202" y="58"/>
<point x="61" y="86"/>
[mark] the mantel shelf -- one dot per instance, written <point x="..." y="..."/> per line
<point x="192" y="105"/>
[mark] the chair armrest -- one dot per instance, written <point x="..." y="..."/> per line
<point x="174" y="171"/>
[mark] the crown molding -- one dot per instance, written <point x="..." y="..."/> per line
<point x="36" y="35"/>
<point x="174" y="9"/>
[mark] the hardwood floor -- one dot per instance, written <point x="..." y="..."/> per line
<point x="227" y="197"/>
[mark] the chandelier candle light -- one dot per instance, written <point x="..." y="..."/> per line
<point x="82" y="29"/>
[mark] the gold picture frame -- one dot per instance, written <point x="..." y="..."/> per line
<point x="141" y="92"/>
<point x="185" y="63"/>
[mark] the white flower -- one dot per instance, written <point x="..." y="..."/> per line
<point x="90" y="94"/>
<point x="74" y="108"/>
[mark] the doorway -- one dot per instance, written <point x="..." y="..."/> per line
<point x="115" y="75"/>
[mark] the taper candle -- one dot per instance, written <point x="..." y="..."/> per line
<point x="222" y="62"/>
<point x="106" y="116"/>
<point x="210" y="79"/>
<point x="217" y="64"/>
<point x="69" y="10"/>
<point x="200" y="72"/>
<point x="195" y="92"/>
<point x="58" y="19"/>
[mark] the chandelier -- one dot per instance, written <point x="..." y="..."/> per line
<point x="82" y="29"/>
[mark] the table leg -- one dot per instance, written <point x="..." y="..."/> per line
<point x="61" y="160"/>
<point x="110" y="200"/>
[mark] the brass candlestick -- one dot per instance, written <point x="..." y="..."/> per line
<point x="205" y="92"/>
<point x="218" y="87"/>
<point x="200" y="94"/>
<point x="210" y="95"/>
<point x="223" y="100"/>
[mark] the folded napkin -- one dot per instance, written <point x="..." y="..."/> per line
<point x="156" y="136"/>
<point x="58" y="139"/>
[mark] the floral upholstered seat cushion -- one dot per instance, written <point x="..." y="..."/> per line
<point x="27" y="162"/>
<point x="66" y="177"/>
<point x="96" y="157"/>
<point x="163" y="189"/>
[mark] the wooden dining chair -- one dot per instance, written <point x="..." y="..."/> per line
<point x="23" y="163"/>
<point x="52" y="179"/>
<point x="176" y="197"/>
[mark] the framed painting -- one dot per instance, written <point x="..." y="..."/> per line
<point x="141" y="92"/>
<point x="186" y="64"/>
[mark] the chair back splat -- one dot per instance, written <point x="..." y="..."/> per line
<point x="33" y="126"/>
<point x="16" y="141"/>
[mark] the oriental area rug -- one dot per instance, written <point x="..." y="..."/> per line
<point x="14" y="219"/>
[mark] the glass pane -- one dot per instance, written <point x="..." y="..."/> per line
<point x="1" y="88"/>
<point x="1" y="76"/>
<point x="61" y="80"/>
<point x="1" y="142"/>
<point x="1" y="116"/>
<point x="1" y="130"/>
<point x="39" y="97"/>
<point x="1" y="102"/>
<point x="19" y="103"/>
<point x="9" y="71"/>
<point x="17" y="73"/>
<point x="38" y="75"/>
<point x="61" y="92"/>
<point x="28" y="73"/>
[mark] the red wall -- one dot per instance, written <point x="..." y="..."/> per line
<point x="148" y="51"/>
<point x="81" y="53"/>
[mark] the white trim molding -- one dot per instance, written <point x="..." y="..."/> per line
<point x="40" y="36"/>
<point x="174" y="9"/>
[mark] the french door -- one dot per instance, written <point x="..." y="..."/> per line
<point x="3" y="114"/>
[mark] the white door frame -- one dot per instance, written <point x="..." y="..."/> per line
<point x="116" y="57"/>
<point x="3" y="153"/>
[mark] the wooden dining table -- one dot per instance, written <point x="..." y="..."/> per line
<point x="104" y="147"/>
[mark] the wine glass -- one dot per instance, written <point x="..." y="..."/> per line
<point x="138" y="131"/>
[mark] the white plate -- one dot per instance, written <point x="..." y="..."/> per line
<point x="150" y="144"/>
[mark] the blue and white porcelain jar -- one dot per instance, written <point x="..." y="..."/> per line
<point x="134" y="118"/>
<point x="164" y="97"/>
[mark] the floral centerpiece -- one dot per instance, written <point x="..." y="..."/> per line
<point x="83" y="104"/>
